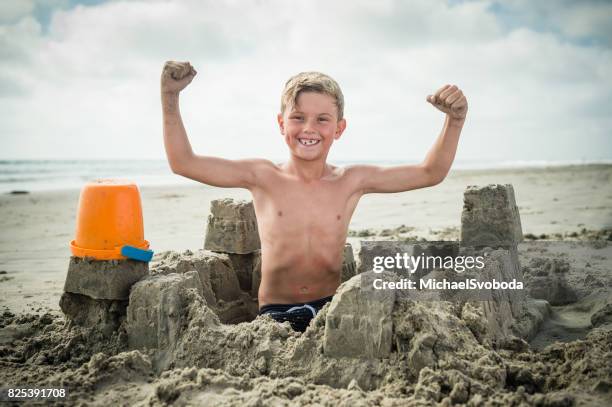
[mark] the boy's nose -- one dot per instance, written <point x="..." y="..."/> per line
<point x="309" y="127"/>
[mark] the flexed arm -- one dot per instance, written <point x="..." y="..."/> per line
<point x="434" y="168"/>
<point x="175" y="77"/>
<point x="450" y="100"/>
<point x="213" y="171"/>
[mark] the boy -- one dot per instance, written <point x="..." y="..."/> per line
<point x="304" y="206"/>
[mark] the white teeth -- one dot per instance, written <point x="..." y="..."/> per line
<point x="307" y="142"/>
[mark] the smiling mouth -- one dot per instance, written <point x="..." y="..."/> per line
<point x="308" y="142"/>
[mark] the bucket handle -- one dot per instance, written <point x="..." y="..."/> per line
<point x="135" y="253"/>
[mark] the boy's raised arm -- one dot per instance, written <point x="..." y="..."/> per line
<point x="208" y="170"/>
<point x="434" y="168"/>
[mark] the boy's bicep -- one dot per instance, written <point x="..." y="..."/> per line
<point x="375" y="179"/>
<point x="221" y="172"/>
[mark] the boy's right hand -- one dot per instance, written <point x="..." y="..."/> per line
<point x="176" y="76"/>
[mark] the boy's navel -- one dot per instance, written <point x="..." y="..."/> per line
<point x="280" y="213"/>
<point x="337" y="217"/>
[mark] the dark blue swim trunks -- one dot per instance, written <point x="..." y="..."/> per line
<point x="298" y="315"/>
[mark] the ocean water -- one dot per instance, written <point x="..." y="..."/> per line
<point x="46" y="175"/>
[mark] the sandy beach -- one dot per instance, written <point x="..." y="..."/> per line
<point x="36" y="228"/>
<point x="566" y="362"/>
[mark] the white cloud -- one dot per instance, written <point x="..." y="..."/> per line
<point x="12" y="10"/>
<point x="89" y="86"/>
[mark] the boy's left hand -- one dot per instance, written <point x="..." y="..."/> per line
<point x="450" y="100"/>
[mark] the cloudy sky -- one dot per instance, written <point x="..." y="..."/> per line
<point x="80" y="79"/>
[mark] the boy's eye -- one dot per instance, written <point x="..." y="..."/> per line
<point x="323" y="119"/>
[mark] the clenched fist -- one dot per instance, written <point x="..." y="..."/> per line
<point x="450" y="100"/>
<point x="176" y="76"/>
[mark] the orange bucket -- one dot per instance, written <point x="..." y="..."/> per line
<point x="109" y="219"/>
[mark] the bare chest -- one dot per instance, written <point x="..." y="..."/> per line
<point x="294" y="211"/>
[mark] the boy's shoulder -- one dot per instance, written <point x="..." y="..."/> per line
<point x="347" y="173"/>
<point x="262" y="164"/>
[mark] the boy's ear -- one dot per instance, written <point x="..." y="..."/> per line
<point x="281" y="123"/>
<point x="340" y="128"/>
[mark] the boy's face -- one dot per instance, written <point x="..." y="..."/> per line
<point x="311" y="127"/>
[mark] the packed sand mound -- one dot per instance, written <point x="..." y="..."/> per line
<point x="189" y="333"/>
<point x="400" y="352"/>
<point x="436" y="357"/>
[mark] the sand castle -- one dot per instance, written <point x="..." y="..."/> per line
<point x="359" y="323"/>
<point x="188" y="329"/>
<point x="96" y="292"/>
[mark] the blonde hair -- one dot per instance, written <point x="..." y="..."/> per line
<point x="312" y="82"/>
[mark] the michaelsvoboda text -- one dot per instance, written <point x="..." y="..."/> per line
<point x="459" y="264"/>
